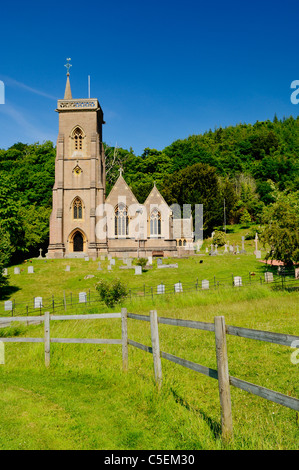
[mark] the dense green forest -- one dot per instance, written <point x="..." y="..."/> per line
<point x="247" y="166"/>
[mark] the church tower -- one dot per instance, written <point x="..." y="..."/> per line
<point x="79" y="178"/>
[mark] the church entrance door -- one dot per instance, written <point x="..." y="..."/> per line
<point x="78" y="242"/>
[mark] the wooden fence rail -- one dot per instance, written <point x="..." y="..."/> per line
<point x="218" y="328"/>
<point x="222" y="373"/>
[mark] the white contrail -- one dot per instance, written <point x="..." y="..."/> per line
<point x="14" y="83"/>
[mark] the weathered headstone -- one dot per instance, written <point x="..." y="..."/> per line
<point x="297" y="273"/>
<point x="112" y="262"/>
<point x="205" y="284"/>
<point x="82" y="297"/>
<point x="258" y="254"/>
<point x="38" y="302"/>
<point x="40" y="253"/>
<point x="231" y="248"/>
<point x="178" y="287"/>
<point x="102" y="257"/>
<point x="161" y="289"/>
<point x="150" y="260"/>
<point x="129" y="262"/>
<point x="159" y="262"/>
<point x="138" y="270"/>
<point x="67" y="268"/>
<point x="207" y="250"/>
<point x="256" y="242"/>
<point x="8" y="305"/>
<point x="86" y="258"/>
<point x="109" y="267"/>
<point x="237" y="281"/>
<point x="16" y="270"/>
<point x="99" y="266"/>
<point x="238" y="249"/>
<point x="5" y="272"/>
<point x="225" y="248"/>
<point x="30" y="270"/>
<point x="268" y="276"/>
<point x="243" y="247"/>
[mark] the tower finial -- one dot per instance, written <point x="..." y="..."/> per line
<point x="68" y="66"/>
<point x="68" y="92"/>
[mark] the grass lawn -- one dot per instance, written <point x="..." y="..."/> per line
<point x="85" y="401"/>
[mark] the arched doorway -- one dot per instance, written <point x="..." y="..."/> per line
<point x="78" y="242"/>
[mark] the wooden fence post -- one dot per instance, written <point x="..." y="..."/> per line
<point x="223" y="378"/>
<point x="124" y="337"/>
<point x="47" y="338"/>
<point x="156" y="347"/>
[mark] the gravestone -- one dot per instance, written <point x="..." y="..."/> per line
<point x="30" y="270"/>
<point x="297" y="273"/>
<point x="129" y="262"/>
<point x="112" y="262"/>
<point x="238" y="249"/>
<point x="138" y="270"/>
<point x="207" y="250"/>
<point x="256" y="243"/>
<point x="8" y="305"/>
<point x="225" y="248"/>
<point x="205" y="284"/>
<point x="82" y="297"/>
<point x="99" y="266"/>
<point x="86" y="258"/>
<point x="5" y="272"/>
<point x="109" y="257"/>
<point x="178" y="287"/>
<point x="161" y="289"/>
<point x="102" y="257"/>
<point x="38" y="302"/>
<point x="16" y="270"/>
<point x="40" y="253"/>
<point x="258" y="254"/>
<point x="67" y="268"/>
<point x="243" y="247"/>
<point x="231" y="248"/>
<point x="159" y="262"/>
<point x="237" y="281"/>
<point x="150" y="260"/>
<point x="109" y="267"/>
<point x="268" y="276"/>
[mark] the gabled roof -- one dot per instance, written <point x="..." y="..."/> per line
<point x="155" y="197"/>
<point x="121" y="188"/>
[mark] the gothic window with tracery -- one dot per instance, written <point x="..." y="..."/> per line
<point x="121" y="220"/>
<point x="77" y="208"/>
<point x="78" y="138"/>
<point x="155" y="223"/>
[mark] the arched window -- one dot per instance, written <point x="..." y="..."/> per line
<point x="77" y="208"/>
<point x="121" y="221"/>
<point x="155" y="223"/>
<point x="78" y="137"/>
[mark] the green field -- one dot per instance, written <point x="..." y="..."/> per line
<point x="85" y="400"/>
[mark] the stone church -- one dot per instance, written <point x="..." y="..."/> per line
<point x="84" y="222"/>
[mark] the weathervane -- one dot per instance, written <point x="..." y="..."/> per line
<point x="68" y="66"/>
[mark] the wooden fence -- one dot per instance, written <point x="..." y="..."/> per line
<point x="220" y="330"/>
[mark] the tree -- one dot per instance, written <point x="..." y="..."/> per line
<point x="281" y="234"/>
<point x="197" y="184"/>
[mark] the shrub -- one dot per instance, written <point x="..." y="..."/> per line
<point x="141" y="262"/>
<point x="111" y="293"/>
<point x="219" y="238"/>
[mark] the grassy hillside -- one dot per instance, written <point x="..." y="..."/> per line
<point x="85" y="401"/>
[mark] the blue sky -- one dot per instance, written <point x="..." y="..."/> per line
<point x="161" y="70"/>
